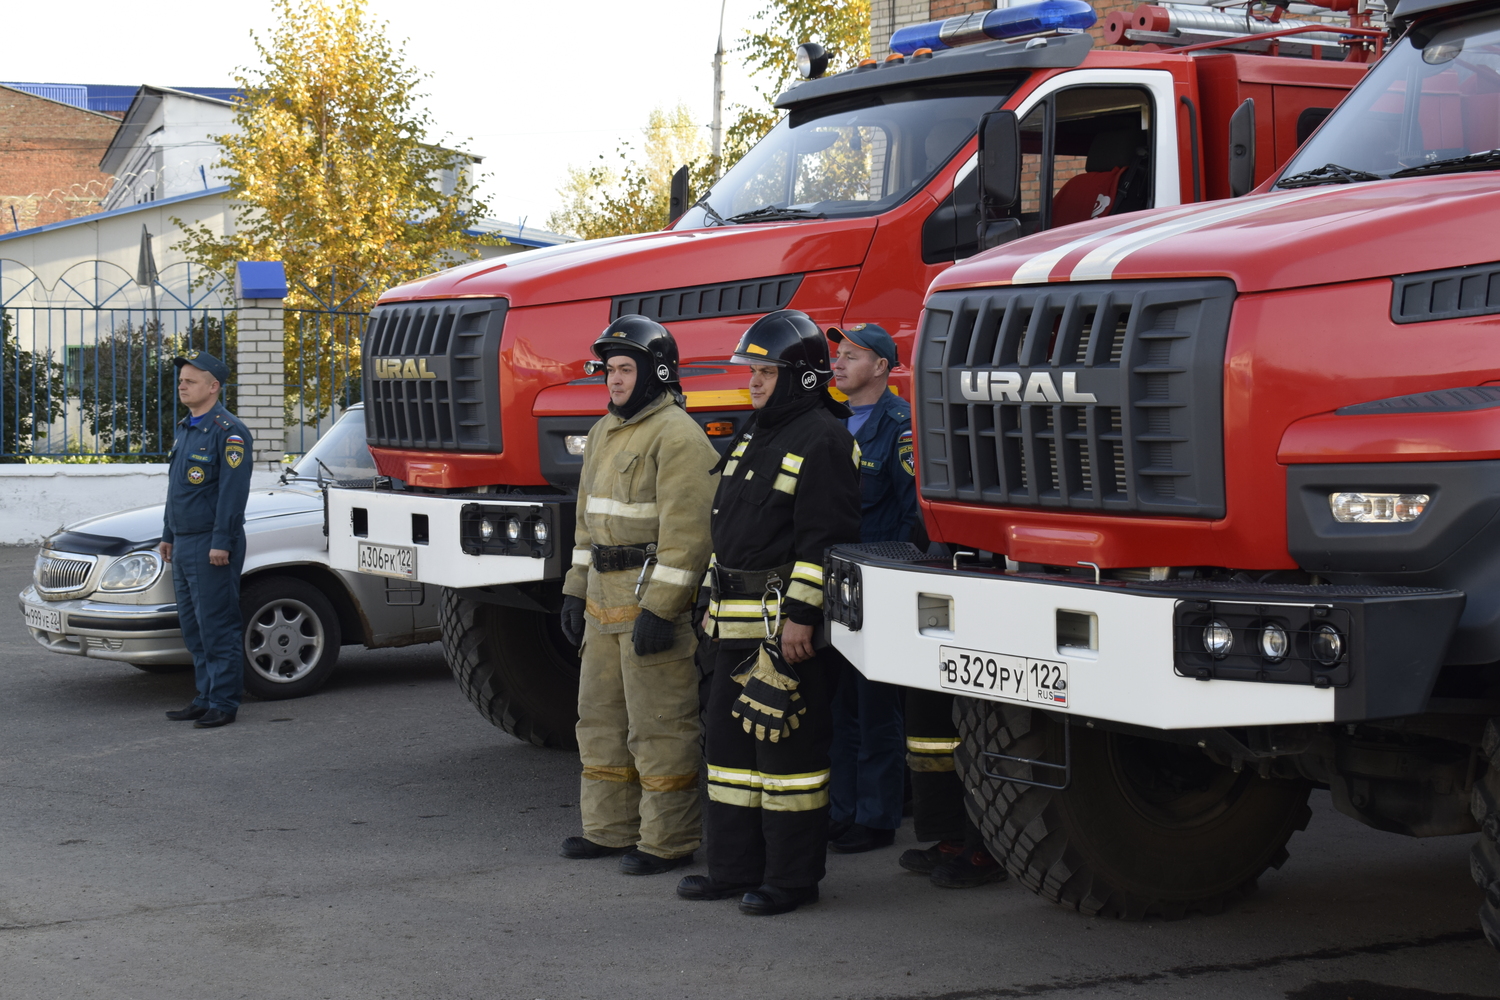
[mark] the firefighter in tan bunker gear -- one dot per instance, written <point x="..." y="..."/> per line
<point x="641" y="547"/>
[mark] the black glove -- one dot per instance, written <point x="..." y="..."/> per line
<point x="572" y="619"/>
<point x="769" y="707"/>
<point x="653" y="634"/>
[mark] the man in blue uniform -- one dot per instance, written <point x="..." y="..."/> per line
<point x="204" y="537"/>
<point x="868" y="768"/>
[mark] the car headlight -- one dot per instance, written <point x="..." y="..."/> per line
<point x="136" y="571"/>
<point x="1377" y="508"/>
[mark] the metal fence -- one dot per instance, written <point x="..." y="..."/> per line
<point x="322" y="358"/>
<point x="85" y="366"/>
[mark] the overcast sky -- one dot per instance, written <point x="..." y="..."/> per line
<point x="531" y="86"/>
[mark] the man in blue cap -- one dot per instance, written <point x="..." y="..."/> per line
<point x="204" y="537"/>
<point x="868" y="779"/>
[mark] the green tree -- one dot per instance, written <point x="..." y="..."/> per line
<point x="634" y="194"/>
<point x="770" y="54"/>
<point x="31" y="393"/>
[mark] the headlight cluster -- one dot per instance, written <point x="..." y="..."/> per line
<point x="1273" y="643"/>
<point x="489" y="527"/>
<point x="496" y="529"/>
<point x="1377" y="508"/>
<point x="1247" y="640"/>
<point x="136" y="571"/>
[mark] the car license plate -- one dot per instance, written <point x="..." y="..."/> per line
<point x="45" y="619"/>
<point x="996" y="675"/>
<point x="399" y="561"/>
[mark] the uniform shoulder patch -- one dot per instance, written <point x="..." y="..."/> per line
<point x="904" y="453"/>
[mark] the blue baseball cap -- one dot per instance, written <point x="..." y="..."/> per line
<point x="207" y="362"/>
<point x="871" y="337"/>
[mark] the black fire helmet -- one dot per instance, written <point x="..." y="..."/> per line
<point x="788" y="339"/>
<point x="639" y="335"/>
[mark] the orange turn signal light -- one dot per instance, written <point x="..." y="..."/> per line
<point x="719" y="428"/>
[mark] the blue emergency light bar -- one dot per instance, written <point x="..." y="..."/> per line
<point x="995" y="25"/>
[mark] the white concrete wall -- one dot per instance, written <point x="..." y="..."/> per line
<point x="36" y="500"/>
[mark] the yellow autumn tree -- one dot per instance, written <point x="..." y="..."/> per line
<point x="332" y="172"/>
<point x="633" y="193"/>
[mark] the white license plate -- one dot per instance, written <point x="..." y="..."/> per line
<point x="997" y="675"/>
<point x="45" y="619"/>
<point x="399" y="561"/>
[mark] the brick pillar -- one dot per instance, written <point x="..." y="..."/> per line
<point x="260" y="329"/>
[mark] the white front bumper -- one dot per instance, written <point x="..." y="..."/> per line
<point x="440" y="560"/>
<point x="1129" y="678"/>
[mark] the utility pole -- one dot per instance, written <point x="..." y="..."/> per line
<point x="718" y="126"/>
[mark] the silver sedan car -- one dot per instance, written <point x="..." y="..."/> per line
<point x="100" y="589"/>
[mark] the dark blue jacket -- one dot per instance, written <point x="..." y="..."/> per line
<point x="209" y="479"/>
<point x="888" y="474"/>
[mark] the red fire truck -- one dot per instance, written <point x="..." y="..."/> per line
<point x="1222" y="489"/>
<point x="476" y="400"/>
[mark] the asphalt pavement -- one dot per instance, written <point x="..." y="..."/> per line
<point x="379" y="839"/>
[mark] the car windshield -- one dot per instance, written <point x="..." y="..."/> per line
<point x="852" y="156"/>
<point x="1432" y="105"/>
<point x="341" y="451"/>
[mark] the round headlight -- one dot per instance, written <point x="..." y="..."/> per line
<point x="1218" y="639"/>
<point x="1274" y="643"/>
<point x="539" y="532"/>
<point x="513" y="530"/>
<point x="1327" y="645"/>
<point x="812" y="60"/>
<point x="136" y="571"/>
<point x="486" y="529"/>
<point x="846" y="591"/>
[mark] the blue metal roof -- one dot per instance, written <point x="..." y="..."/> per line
<point x="107" y="97"/>
<point x="112" y="213"/>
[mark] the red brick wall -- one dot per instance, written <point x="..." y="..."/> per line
<point x="49" y="159"/>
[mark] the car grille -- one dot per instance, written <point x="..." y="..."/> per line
<point x="432" y="375"/>
<point x="1102" y="397"/>
<point x="60" y="574"/>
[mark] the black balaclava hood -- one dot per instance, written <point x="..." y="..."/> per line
<point x="647" y="385"/>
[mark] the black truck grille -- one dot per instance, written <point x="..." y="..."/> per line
<point x="1103" y="397"/>
<point x="432" y="375"/>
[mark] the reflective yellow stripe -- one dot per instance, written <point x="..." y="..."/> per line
<point x="805" y="593"/>
<point x="662" y="573"/>
<point x="581" y="557"/>
<point x="739" y="449"/>
<point x="791" y="463"/>
<point x="669" y="782"/>
<point x="785" y="483"/>
<point x="734" y="776"/>
<point x="811" y="572"/>
<point x="932" y="744"/>
<point x="740" y="609"/>
<point x="805" y="781"/>
<point x="856" y="454"/>
<point x="602" y="772"/>
<point x="748" y="798"/>
<point x="803" y="802"/>
<point x="730" y="466"/>
<point x="619" y="508"/>
<point x="741" y="630"/>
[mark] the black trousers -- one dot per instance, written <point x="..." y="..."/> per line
<point x="767" y="820"/>
<point x="938" y="811"/>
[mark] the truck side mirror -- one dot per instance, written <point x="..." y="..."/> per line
<point x="1242" y="149"/>
<point x="679" y="200"/>
<point x="1000" y="159"/>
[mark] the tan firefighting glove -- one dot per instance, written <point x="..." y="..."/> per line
<point x="770" y="705"/>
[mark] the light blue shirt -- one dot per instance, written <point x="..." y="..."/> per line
<point x="861" y="414"/>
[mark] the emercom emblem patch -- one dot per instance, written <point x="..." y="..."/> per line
<point x="195" y="475"/>
<point x="903" y="452"/>
<point x="234" y="454"/>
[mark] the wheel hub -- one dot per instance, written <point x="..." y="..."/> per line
<point x="284" y="641"/>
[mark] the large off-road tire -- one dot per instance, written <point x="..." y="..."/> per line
<point x="1484" y="859"/>
<point x="1144" y="827"/>
<point x="516" y="667"/>
<point x="291" y="640"/>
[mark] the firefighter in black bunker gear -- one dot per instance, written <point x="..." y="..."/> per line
<point x="789" y="490"/>
<point x="641" y="546"/>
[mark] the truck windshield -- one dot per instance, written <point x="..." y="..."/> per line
<point x="852" y="156"/>
<point x="341" y="450"/>
<point x="1431" y="106"/>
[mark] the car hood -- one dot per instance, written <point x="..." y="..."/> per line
<point x="126" y="530"/>
<point x="1282" y="239"/>
<point x="624" y="265"/>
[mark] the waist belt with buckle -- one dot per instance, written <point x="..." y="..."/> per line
<point x="614" y="558"/>
<point x="750" y="582"/>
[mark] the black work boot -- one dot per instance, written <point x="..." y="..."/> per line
<point x="213" y="719"/>
<point x="704" y="887"/>
<point x="770" y="900"/>
<point x="924" y="860"/>
<point x="974" y="867"/>
<point x="638" y="862"/>
<point x="582" y="848"/>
